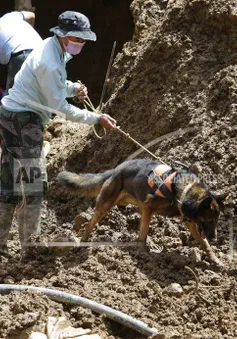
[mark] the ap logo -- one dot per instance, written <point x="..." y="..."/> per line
<point x="31" y="174"/>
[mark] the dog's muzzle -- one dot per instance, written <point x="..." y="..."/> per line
<point x="200" y="230"/>
<point x="206" y="231"/>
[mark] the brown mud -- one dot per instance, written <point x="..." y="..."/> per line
<point x="177" y="75"/>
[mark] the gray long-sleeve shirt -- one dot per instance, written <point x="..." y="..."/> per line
<point x="43" y="80"/>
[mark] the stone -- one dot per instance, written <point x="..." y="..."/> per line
<point x="174" y="289"/>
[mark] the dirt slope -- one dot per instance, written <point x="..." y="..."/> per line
<point x="177" y="75"/>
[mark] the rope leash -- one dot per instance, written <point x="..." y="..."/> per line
<point x="23" y="202"/>
<point x="88" y="104"/>
<point x="143" y="147"/>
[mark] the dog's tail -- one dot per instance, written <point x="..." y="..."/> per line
<point x="87" y="185"/>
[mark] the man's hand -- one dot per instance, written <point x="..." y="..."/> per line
<point x="107" y="121"/>
<point x="80" y="91"/>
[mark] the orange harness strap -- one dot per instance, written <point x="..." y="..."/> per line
<point x="161" y="170"/>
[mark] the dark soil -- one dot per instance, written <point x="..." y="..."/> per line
<point x="177" y="75"/>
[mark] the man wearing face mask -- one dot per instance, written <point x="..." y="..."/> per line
<point x="40" y="83"/>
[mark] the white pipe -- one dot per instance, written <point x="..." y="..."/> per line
<point x="112" y="314"/>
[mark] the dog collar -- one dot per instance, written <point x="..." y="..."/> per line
<point x="160" y="181"/>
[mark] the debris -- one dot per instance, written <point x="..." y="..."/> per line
<point x="61" y="328"/>
<point x="46" y="148"/>
<point x="37" y="335"/>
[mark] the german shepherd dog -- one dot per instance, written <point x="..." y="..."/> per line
<point x="156" y="189"/>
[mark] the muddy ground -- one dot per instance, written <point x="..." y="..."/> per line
<point x="178" y="75"/>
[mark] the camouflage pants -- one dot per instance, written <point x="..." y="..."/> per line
<point x="28" y="224"/>
<point x="23" y="173"/>
<point x="14" y="66"/>
<point x="21" y="160"/>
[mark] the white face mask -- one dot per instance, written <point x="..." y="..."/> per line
<point x="74" y="47"/>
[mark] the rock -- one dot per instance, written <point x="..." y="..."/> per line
<point x="187" y="289"/>
<point x="47" y="136"/>
<point x="214" y="277"/>
<point x="195" y="255"/>
<point x="3" y="272"/>
<point x="55" y="123"/>
<point x="9" y="280"/>
<point x="174" y="289"/>
<point x="56" y="127"/>
<point x="184" y="236"/>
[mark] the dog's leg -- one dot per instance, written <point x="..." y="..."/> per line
<point x="105" y="201"/>
<point x="146" y="215"/>
<point x="204" y="243"/>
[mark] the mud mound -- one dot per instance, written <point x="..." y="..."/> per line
<point x="177" y="76"/>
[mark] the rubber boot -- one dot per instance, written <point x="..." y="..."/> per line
<point x="6" y="216"/>
<point x="28" y="223"/>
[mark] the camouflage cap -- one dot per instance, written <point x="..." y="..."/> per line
<point x="75" y="24"/>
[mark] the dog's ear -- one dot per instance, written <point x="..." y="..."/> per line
<point x="220" y="198"/>
<point x="189" y="208"/>
<point x="205" y="203"/>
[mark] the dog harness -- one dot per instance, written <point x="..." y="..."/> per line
<point x="160" y="181"/>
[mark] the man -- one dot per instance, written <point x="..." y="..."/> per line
<point x="41" y="83"/>
<point x="17" y="39"/>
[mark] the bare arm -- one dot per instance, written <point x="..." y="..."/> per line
<point x="29" y="17"/>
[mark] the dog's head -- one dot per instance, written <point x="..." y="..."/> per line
<point x="204" y="213"/>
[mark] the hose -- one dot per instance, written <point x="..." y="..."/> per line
<point x="112" y="314"/>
